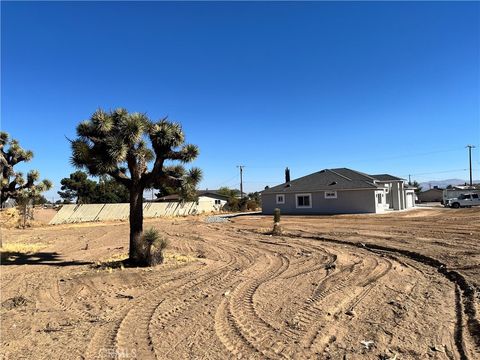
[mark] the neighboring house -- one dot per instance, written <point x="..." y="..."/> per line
<point x="432" y="195"/>
<point x="208" y="199"/>
<point x="339" y="191"/>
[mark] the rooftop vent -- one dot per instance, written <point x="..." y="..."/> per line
<point x="333" y="183"/>
<point x="288" y="185"/>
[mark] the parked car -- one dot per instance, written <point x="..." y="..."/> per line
<point x="456" y="192"/>
<point x="463" y="200"/>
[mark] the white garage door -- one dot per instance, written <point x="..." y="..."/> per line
<point x="409" y="200"/>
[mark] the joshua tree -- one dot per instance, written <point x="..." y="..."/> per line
<point x="13" y="184"/>
<point x="115" y="143"/>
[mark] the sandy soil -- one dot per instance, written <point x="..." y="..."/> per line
<point x="394" y="286"/>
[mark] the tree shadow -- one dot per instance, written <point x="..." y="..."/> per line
<point x="37" y="258"/>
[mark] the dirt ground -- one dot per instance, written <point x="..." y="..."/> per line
<point x="394" y="286"/>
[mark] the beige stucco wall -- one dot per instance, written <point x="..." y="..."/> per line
<point x="102" y="212"/>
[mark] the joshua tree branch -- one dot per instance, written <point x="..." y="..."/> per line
<point x="120" y="176"/>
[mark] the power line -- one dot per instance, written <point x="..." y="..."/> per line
<point x="227" y="181"/>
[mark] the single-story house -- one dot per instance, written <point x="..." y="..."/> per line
<point x="338" y="191"/>
<point x="209" y="199"/>
<point x="431" y="195"/>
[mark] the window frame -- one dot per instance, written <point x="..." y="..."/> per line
<point x="280" y="195"/>
<point x="309" y="206"/>
<point x="330" y="197"/>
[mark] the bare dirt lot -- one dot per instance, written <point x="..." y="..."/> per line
<point x="393" y="286"/>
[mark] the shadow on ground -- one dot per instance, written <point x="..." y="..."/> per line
<point x="38" y="258"/>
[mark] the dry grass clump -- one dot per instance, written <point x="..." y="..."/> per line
<point x="22" y="248"/>
<point x="9" y="218"/>
<point x="11" y="252"/>
<point x="177" y="258"/>
<point x="115" y="261"/>
<point x="120" y="261"/>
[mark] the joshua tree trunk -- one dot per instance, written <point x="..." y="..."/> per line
<point x="136" y="224"/>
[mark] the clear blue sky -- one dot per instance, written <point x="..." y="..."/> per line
<point x="378" y="87"/>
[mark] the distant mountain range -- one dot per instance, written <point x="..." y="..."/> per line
<point x="444" y="183"/>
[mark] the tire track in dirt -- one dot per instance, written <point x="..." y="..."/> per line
<point x="104" y="339"/>
<point x="307" y="317"/>
<point x="238" y="299"/>
<point x="131" y="335"/>
<point x="321" y="332"/>
<point x="464" y="298"/>
<point x="245" y="323"/>
<point x="187" y="300"/>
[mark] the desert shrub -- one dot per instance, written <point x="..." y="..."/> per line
<point x="277" y="229"/>
<point x="252" y="205"/>
<point x="233" y="204"/>
<point x="242" y="204"/>
<point x="276" y="215"/>
<point x="154" y="244"/>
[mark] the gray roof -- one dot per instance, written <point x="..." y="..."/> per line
<point x="327" y="179"/>
<point x="386" y="177"/>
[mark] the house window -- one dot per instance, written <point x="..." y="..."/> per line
<point x="218" y="202"/>
<point x="280" y="199"/>
<point x="379" y="198"/>
<point x="304" y="200"/>
<point x="330" y="194"/>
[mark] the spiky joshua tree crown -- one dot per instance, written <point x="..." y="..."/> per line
<point x="136" y="151"/>
<point x="13" y="183"/>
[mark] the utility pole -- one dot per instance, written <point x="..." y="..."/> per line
<point x="470" y="161"/>
<point x="241" y="179"/>
<point x="409" y="179"/>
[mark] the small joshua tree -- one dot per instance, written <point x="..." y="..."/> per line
<point x="154" y="245"/>
<point x="116" y="143"/>
<point x="25" y="207"/>
<point x="12" y="183"/>
<point x="277" y="229"/>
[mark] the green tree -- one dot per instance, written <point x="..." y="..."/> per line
<point x="254" y="200"/>
<point x="234" y="202"/>
<point x="115" y="144"/>
<point x="40" y="200"/>
<point x="78" y="187"/>
<point x="12" y="183"/>
<point x="108" y="190"/>
<point x="231" y="193"/>
<point x="417" y="186"/>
